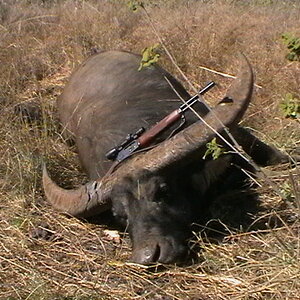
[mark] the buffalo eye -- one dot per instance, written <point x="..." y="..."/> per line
<point x="163" y="187"/>
<point x="162" y="193"/>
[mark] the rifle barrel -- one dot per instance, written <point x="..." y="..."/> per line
<point x="195" y="98"/>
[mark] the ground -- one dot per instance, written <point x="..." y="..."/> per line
<point x="46" y="255"/>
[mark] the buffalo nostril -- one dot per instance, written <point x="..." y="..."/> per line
<point x="156" y="254"/>
<point x="146" y="255"/>
<point x="171" y="253"/>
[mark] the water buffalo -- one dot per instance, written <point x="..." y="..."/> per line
<point x="158" y="193"/>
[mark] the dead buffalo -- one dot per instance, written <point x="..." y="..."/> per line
<point x="157" y="193"/>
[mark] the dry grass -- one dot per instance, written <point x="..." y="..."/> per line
<point x="41" y="42"/>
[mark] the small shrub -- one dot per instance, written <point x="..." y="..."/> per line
<point x="290" y="106"/>
<point x="287" y="192"/>
<point x="293" y="44"/>
<point x="134" y="5"/>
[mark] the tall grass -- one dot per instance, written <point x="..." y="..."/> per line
<point x="41" y="43"/>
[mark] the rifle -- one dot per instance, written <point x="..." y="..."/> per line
<point x="142" y="138"/>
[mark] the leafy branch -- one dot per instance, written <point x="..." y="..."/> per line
<point x="150" y="56"/>
<point x="214" y="149"/>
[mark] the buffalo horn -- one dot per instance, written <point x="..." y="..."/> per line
<point x="73" y="202"/>
<point x="94" y="197"/>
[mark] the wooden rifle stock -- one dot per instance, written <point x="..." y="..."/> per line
<point x="147" y="137"/>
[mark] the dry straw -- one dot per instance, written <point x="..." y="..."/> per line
<point x="45" y="255"/>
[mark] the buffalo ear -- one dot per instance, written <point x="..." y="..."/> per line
<point x="210" y="173"/>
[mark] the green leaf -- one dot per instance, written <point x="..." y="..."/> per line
<point x="149" y="56"/>
<point x="290" y="106"/>
<point x="134" y="5"/>
<point x="214" y="149"/>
